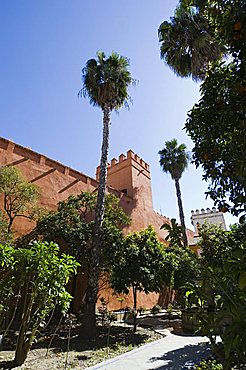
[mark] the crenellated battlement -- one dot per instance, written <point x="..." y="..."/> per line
<point x="203" y="211"/>
<point x="137" y="159"/>
<point x="212" y="216"/>
<point x="163" y="216"/>
<point x="130" y="174"/>
<point x="27" y="154"/>
<point x="123" y="158"/>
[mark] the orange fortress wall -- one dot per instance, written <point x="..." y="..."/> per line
<point x="128" y="178"/>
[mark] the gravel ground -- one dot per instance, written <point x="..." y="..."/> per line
<point x="81" y="354"/>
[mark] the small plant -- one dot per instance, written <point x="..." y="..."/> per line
<point x="155" y="309"/>
<point x="169" y="308"/>
<point x="208" y="365"/>
<point x="129" y="310"/>
<point x="121" y="300"/>
<point x="69" y="321"/>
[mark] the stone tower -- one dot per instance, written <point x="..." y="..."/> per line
<point x="131" y="175"/>
<point x="211" y="216"/>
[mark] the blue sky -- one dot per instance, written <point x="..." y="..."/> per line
<point x="45" y="44"/>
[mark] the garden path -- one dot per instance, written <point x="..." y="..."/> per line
<point x="173" y="352"/>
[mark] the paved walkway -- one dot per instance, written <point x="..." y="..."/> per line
<point x="173" y="352"/>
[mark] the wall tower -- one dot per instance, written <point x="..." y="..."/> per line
<point x="211" y="216"/>
<point x="131" y="175"/>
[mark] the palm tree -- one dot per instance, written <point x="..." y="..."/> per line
<point x="187" y="44"/>
<point x="174" y="160"/>
<point x="105" y="84"/>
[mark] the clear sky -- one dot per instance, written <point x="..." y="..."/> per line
<point x="45" y="43"/>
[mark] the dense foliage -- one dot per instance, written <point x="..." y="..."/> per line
<point x="187" y="44"/>
<point x="229" y="264"/>
<point x="33" y="282"/>
<point x="183" y="266"/>
<point x="140" y="265"/>
<point x="19" y="199"/>
<point x="221" y="110"/>
<point x="217" y="123"/>
<point x="219" y="292"/>
<point x="72" y="226"/>
<point x="217" y="127"/>
<point x="213" y="286"/>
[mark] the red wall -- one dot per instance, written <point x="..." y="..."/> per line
<point x="57" y="181"/>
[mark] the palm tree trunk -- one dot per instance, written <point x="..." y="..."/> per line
<point x="134" y="288"/>
<point x="181" y="212"/>
<point x="88" y="329"/>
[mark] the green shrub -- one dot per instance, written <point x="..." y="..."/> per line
<point x="208" y="365"/>
<point x="170" y="308"/>
<point x="39" y="274"/>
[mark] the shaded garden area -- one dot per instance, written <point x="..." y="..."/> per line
<point x="63" y="348"/>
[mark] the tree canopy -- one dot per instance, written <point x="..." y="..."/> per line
<point x="106" y="81"/>
<point x="73" y="222"/>
<point x="174" y="158"/>
<point x="183" y="266"/>
<point x="140" y="265"/>
<point x="19" y="196"/>
<point x="222" y="289"/>
<point x="216" y="124"/>
<point x="221" y="109"/>
<point x="187" y="44"/>
<point x="214" y="286"/>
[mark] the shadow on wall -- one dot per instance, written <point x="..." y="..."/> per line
<point x="183" y="358"/>
<point x="129" y="203"/>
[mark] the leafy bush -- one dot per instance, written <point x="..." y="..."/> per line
<point x="170" y="308"/>
<point x="33" y="281"/>
<point x="208" y="365"/>
<point x="140" y="265"/>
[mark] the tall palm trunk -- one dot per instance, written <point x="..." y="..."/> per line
<point x="134" y="288"/>
<point x="88" y="329"/>
<point x="181" y="212"/>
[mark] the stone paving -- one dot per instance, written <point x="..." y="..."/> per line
<point x="173" y="352"/>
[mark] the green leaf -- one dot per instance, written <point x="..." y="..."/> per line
<point x="242" y="280"/>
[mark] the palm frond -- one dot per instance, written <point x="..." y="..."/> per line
<point x="174" y="158"/>
<point x="187" y="45"/>
<point x="106" y="81"/>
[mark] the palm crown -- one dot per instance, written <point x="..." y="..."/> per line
<point x="106" y="81"/>
<point x="187" y="45"/>
<point x="174" y="158"/>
